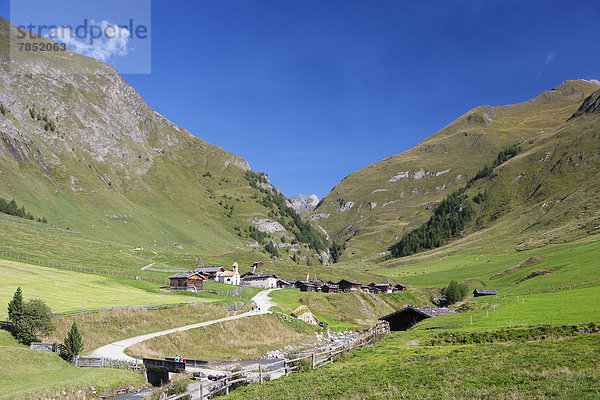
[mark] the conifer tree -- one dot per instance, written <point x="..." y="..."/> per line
<point x="73" y="341"/>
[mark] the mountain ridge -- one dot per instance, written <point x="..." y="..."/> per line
<point x="375" y="206"/>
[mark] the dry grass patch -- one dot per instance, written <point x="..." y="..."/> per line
<point x="245" y="338"/>
<point x="106" y="327"/>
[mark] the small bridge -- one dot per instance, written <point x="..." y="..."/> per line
<point x="157" y="371"/>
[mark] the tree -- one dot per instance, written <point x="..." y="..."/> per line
<point x="36" y="320"/>
<point x="336" y="251"/>
<point x="15" y="306"/>
<point x="452" y="292"/>
<point x="73" y="341"/>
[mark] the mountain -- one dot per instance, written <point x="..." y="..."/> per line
<point x="373" y="208"/>
<point x="303" y="203"/>
<point x="80" y="147"/>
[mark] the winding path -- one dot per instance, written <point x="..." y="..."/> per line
<point x="116" y="350"/>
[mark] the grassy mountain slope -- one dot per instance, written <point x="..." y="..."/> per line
<point x="80" y="147"/>
<point x="373" y="207"/>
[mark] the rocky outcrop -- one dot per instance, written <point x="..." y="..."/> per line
<point x="300" y="202"/>
<point x="590" y="105"/>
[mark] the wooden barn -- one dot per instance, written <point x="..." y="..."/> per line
<point x="399" y="287"/>
<point x="484" y="292"/>
<point x="403" y="319"/>
<point x="330" y="288"/>
<point x="283" y="284"/>
<point x="380" y="287"/>
<point x="307" y="287"/>
<point x="211" y="272"/>
<point x="192" y="281"/>
<point x="349" y="286"/>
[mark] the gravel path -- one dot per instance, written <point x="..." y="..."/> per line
<point x="116" y="350"/>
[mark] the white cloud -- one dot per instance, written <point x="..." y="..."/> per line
<point x="100" y="41"/>
<point x="549" y="58"/>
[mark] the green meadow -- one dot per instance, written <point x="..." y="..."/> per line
<point x="396" y="368"/>
<point x="65" y="290"/>
<point x="29" y="374"/>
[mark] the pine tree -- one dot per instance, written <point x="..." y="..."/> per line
<point x="73" y="341"/>
<point x="15" y="306"/>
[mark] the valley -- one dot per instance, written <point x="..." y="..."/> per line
<point x="112" y="216"/>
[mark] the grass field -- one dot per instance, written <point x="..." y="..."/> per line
<point x="70" y="291"/>
<point x="244" y="338"/>
<point x="547" y="369"/>
<point x="571" y="264"/>
<point x="346" y="310"/>
<point x="29" y="374"/>
<point x="579" y="305"/>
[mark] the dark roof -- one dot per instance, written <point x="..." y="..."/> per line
<point x="350" y="282"/>
<point x="185" y="275"/>
<point x="331" y="283"/>
<point x="331" y="286"/>
<point x="425" y="311"/>
<point x="263" y="276"/>
<point x="485" y="291"/>
<point x="399" y="285"/>
<point x="386" y="285"/>
<point x="209" y="270"/>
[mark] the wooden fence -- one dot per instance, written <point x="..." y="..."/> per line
<point x="228" y="307"/>
<point x="81" y="269"/>
<point x="104" y="362"/>
<point x="7" y="325"/>
<point x="51" y="347"/>
<point x="314" y="360"/>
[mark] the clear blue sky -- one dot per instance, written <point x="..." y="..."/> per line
<point x="310" y="91"/>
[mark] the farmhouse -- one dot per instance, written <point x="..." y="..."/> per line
<point x="349" y="286"/>
<point x="266" y="281"/>
<point x="230" y="277"/>
<point x="191" y="281"/>
<point x="211" y="272"/>
<point x="399" y="287"/>
<point x="307" y="287"/>
<point x="484" y="292"/>
<point x="283" y="284"/>
<point x="330" y="288"/>
<point x="380" y="287"/>
<point x="403" y="319"/>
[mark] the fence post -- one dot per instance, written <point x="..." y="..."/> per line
<point x="201" y="391"/>
<point x="260" y="374"/>
<point x="313" y="360"/>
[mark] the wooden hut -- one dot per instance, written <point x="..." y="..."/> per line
<point x="346" y="285"/>
<point x="211" y="272"/>
<point x="484" y="292"/>
<point x="192" y="281"/>
<point x="380" y="287"/>
<point x="330" y="288"/>
<point x="403" y="319"/>
<point x="399" y="287"/>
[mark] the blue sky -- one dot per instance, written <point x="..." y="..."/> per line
<point x="310" y="91"/>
